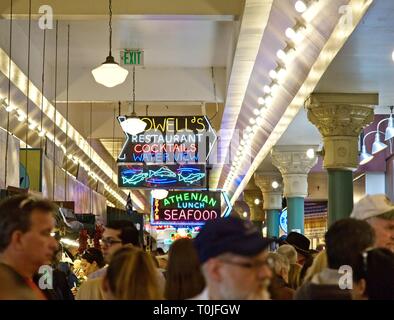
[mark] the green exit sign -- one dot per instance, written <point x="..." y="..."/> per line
<point x="132" y="57"/>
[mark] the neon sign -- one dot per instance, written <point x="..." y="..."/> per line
<point x="169" y="176"/>
<point x="187" y="208"/>
<point x="169" y="140"/>
<point x="283" y="220"/>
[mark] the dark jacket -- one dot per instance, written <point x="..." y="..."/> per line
<point x="323" y="286"/>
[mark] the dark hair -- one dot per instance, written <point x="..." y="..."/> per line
<point x="184" y="278"/>
<point x="160" y="251"/>
<point x="15" y="215"/>
<point x="376" y="267"/>
<point x="345" y="240"/>
<point x="128" y="231"/>
<point x="94" y="255"/>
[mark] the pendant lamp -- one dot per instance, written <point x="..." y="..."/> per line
<point x="110" y="74"/>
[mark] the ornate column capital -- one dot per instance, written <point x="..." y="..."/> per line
<point x="256" y="210"/>
<point x="340" y="117"/>
<point x="272" y="196"/>
<point x="294" y="165"/>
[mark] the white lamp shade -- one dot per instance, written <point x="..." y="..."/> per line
<point x="365" y="157"/>
<point x="159" y="193"/>
<point x="110" y="74"/>
<point x="390" y="129"/>
<point x="378" y="146"/>
<point x="133" y="126"/>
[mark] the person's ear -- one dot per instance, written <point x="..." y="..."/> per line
<point x="17" y="240"/>
<point x="213" y="268"/>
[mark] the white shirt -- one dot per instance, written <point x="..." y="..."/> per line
<point x="202" y="296"/>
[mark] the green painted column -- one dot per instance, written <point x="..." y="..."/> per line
<point x="273" y="223"/>
<point x="295" y="214"/>
<point x="340" y="194"/>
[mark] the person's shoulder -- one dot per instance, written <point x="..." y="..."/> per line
<point x="91" y="289"/>
<point x="98" y="274"/>
<point x="201" y="296"/>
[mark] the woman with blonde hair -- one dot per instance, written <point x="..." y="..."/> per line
<point x="290" y="253"/>
<point x="319" y="263"/>
<point x="131" y="275"/>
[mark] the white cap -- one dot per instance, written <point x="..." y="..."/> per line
<point x="372" y="206"/>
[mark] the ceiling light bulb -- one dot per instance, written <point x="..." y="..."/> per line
<point x="268" y="101"/>
<point x="256" y="111"/>
<point x="290" y="33"/>
<point x="275" y="184"/>
<point x="9" y="108"/>
<point x="110" y="74"/>
<point x="310" y="153"/>
<point x="245" y="214"/>
<point x="248" y="129"/>
<point x="281" y="55"/>
<point x="252" y="120"/>
<point x="21" y="117"/>
<point x="159" y="193"/>
<point x="267" y="89"/>
<point x="42" y="133"/>
<point x="260" y="100"/>
<point x="300" y="6"/>
<point x="256" y="201"/>
<point x="259" y="120"/>
<point x="282" y="73"/>
<point x="273" y="74"/>
<point x="275" y="88"/>
<point x="242" y="142"/>
<point x="255" y="128"/>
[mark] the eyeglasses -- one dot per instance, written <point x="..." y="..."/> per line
<point x="257" y="264"/>
<point x="109" y="241"/>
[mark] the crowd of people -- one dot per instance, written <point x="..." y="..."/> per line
<point x="228" y="260"/>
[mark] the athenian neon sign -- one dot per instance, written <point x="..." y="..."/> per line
<point x="187" y="208"/>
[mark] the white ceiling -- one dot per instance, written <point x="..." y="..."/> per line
<point x="166" y="43"/>
<point x="364" y="64"/>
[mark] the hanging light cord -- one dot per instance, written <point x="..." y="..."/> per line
<point x="42" y="85"/>
<point x="110" y="27"/>
<point x="67" y="84"/>
<point x="133" y="114"/>
<point x="90" y="154"/>
<point x="113" y="140"/>
<point x="54" y="120"/>
<point x="28" y="85"/>
<point x="214" y="94"/>
<point x="8" y="99"/>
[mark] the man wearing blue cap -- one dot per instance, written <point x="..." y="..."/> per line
<point x="233" y="255"/>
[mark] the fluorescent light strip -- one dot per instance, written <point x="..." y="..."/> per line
<point x="333" y="45"/>
<point x="19" y="79"/>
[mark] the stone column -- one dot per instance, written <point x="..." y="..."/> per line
<point x="272" y="199"/>
<point x="240" y="207"/>
<point x="340" y="117"/>
<point x="294" y="165"/>
<point x="257" y="215"/>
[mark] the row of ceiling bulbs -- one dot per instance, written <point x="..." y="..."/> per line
<point x="295" y="35"/>
<point x="34" y="126"/>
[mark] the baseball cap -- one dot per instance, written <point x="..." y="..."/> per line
<point x="229" y="235"/>
<point x="372" y="206"/>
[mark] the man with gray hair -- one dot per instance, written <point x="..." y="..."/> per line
<point x="378" y="211"/>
